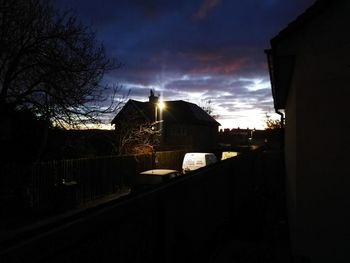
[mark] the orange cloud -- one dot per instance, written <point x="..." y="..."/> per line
<point x="206" y="6"/>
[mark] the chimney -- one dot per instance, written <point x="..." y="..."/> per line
<point x="153" y="99"/>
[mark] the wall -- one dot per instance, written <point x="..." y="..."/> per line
<point x="205" y="137"/>
<point x="170" y="159"/>
<point x="38" y="189"/>
<point x="290" y="160"/>
<point x="177" y="136"/>
<point x="317" y="142"/>
<point x="189" y="136"/>
<point x="188" y="219"/>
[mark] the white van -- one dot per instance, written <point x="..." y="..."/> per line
<point x="193" y="161"/>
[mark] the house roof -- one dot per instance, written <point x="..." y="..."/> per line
<point x="281" y="72"/>
<point x="177" y="111"/>
<point x="309" y="14"/>
<point x="281" y="67"/>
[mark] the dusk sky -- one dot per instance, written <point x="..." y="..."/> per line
<point x="193" y="50"/>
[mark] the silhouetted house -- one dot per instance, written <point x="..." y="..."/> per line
<point x="184" y="125"/>
<point x="309" y="64"/>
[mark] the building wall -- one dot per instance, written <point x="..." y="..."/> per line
<point x="177" y="135"/>
<point x="205" y="138"/>
<point x="190" y="136"/>
<point x="290" y="160"/>
<point x="317" y="142"/>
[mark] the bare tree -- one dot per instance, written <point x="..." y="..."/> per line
<point x="208" y="108"/>
<point x="272" y="124"/>
<point x="142" y="138"/>
<point x="51" y="64"/>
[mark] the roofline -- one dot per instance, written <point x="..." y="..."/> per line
<point x="268" y="53"/>
<point x="279" y="63"/>
<point x="281" y="70"/>
<point x="130" y="101"/>
<point x="133" y="102"/>
<point x="317" y="7"/>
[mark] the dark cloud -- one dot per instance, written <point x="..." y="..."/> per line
<point x="196" y="50"/>
<point x="205" y="7"/>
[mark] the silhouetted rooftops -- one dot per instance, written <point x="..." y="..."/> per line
<point x="177" y="111"/>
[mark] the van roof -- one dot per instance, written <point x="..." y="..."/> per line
<point x="160" y="172"/>
<point x="198" y="153"/>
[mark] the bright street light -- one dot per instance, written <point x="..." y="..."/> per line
<point x="161" y="105"/>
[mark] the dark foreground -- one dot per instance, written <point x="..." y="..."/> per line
<point x="233" y="211"/>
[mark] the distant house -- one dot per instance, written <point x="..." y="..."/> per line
<point x="309" y="64"/>
<point x="183" y="125"/>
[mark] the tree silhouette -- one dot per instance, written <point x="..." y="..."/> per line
<point x="206" y="105"/>
<point x="141" y="138"/>
<point x="51" y="64"/>
<point x="272" y="124"/>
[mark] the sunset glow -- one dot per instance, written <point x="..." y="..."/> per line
<point x="197" y="51"/>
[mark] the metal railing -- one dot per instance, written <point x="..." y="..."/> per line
<point x="58" y="185"/>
